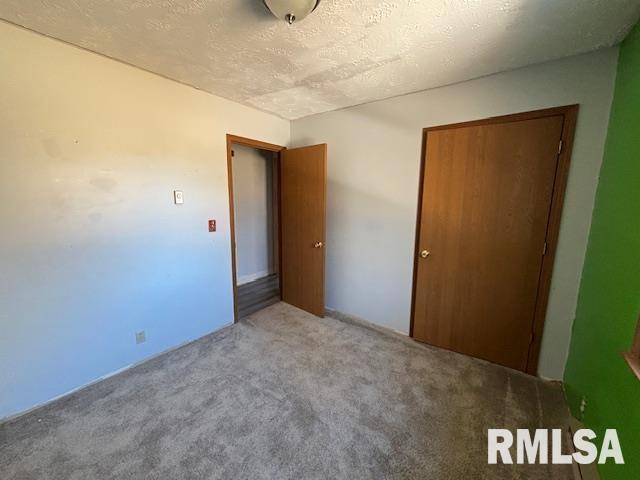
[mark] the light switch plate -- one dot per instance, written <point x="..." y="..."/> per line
<point x="141" y="337"/>
<point x="178" y="198"/>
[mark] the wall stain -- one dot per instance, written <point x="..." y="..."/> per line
<point x="95" y="217"/>
<point x="105" y="184"/>
<point x="51" y="147"/>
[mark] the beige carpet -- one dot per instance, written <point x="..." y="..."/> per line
<point x="285" y="395"/>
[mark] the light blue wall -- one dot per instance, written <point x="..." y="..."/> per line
<point x="373" y="177"/>
<point x="92" y="248"/>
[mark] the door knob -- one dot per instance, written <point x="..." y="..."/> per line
<point x="425" y="253"/>
<point x="318" y="245"/>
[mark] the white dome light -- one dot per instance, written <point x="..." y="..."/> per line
<point x="291" y="10"/>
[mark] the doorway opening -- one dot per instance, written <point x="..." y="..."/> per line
<point x="254" y="203"/>
<point x="277" y="203"/>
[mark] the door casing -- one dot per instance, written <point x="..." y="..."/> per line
<point x="570" y="114"/>
<point x="231" y="139"/>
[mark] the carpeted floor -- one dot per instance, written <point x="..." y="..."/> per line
<point x="285" y="395"/>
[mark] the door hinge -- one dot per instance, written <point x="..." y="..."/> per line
<point x="560" y="147"/>
<point x="544" y="248"/>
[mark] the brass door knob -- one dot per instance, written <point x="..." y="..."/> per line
<point x="318" y="245"/>
<point x="425" y="253"/>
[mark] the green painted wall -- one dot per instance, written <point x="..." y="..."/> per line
<point x="609" y="301"/>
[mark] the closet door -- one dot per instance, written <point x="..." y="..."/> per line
<point x="482" y="233"/>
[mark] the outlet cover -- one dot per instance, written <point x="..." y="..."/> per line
<point x="140" y="337"/>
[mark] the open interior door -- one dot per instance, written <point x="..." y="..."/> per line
<point x="303" y="178"/>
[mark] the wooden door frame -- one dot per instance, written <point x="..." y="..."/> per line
<point x="570" y="114"/>
<point x="231" y="139"/>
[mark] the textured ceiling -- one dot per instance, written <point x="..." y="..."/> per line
<point x="345" y="53"/>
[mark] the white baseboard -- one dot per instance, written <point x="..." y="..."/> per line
<point x="13" y="416"/>
<point x="348" y="318"/>
<point x="251" y="277"/>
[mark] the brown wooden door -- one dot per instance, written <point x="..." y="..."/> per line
<point x="487" y="192"/>
<point x="302" y="216"/>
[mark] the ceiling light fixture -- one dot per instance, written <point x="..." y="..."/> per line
<point x="291" y="10"/>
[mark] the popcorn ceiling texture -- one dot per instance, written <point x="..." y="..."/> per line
<point x="346" y="53"/>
